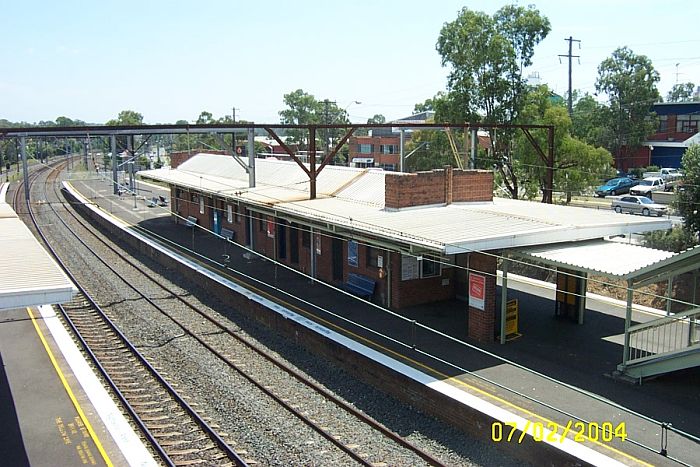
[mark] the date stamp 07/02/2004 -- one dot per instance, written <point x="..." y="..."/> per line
<point x="554" y="432"/>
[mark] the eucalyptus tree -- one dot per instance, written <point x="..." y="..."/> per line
<point x="487" y="55"/>
<point x="682" y="92"/>
<point x="629" y="81"/>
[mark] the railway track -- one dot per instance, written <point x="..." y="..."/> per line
<point x="178" y="434"/>
<point x="244" y="357"/>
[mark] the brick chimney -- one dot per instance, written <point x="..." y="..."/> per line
<point x="441" y="186"/>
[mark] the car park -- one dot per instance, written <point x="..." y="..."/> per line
<point x="638" y="205"/>
<point x="616" y="186"/>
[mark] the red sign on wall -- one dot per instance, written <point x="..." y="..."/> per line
<point x="477" y="290"/>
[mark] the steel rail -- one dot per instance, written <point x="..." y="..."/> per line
<point x="292" y="372"/>
<point x="230" y="453"/>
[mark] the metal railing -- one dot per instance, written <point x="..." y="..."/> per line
<point x="663" y="336"/>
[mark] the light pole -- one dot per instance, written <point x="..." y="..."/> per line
<point x="348" y="106"/>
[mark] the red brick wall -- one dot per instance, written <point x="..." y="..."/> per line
<point x="186" y="207"/>
<point x="425" y="188"/>
<point x="324" y="261"/>
<point x="236" y="226"/>
<point x="377" y="141"/>
<point x="419" y="291"/>
<point x="472" y="185"/>
<point x="482" y="322"/>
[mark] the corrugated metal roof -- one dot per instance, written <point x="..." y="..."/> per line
<point x="598" y="256"/>
<point x="354" y="198"/>
<point x="29" y="275"/>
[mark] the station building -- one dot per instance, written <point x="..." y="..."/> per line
<point x="417" y="238"/>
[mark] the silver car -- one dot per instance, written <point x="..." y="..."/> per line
<point x="639" y="205"/>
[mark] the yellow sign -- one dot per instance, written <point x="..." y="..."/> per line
<point x="511" y="317"/>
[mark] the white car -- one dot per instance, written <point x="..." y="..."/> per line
<point x="638" y="205"/>
<point x="647" y="186"/>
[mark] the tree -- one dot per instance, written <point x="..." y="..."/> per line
<point x="587" y="120"/>
<point x="688" y="198"/>
<point x="304" y="109"/>
<point x="378" y="118"/>
<point x="577" y="164"/>
<point x="629" y="80"/>
<point x="428" y="150"/>
<point x="486" y="55"/>
<point x="682" y="92"/>
<point x="205" y="118"/>
<point x="125" y="118"/>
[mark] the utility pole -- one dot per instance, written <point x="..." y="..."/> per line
<point x="234" y="113"/>
<point x="571" y="40"/>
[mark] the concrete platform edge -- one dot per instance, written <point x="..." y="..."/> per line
<point x="124" y="436"/>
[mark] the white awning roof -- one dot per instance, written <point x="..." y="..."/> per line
<point x="30" y="276"/>
<point x="606" y="257"/>
<point x="353" y="199"/>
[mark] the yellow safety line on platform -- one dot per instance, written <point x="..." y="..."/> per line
<point x="75" y="402"/>
<point x="398" y="355"/>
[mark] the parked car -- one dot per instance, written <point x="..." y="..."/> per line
<point x="647" y="186"/>
<point x="638" y="205"/>
<point x="670" y="176"/>
<point x="616" y="186"/>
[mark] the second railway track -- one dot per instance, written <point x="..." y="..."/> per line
<point x="223" y="340"/>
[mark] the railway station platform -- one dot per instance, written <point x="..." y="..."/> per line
<point x="54" y="410"/>
<point x="52" y="406"/>
<point x="577" y="360"/>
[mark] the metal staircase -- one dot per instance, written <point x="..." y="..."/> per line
<point x="663" y="345"/>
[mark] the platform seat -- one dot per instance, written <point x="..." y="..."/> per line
<point x="229" y="234"/>
<point x="360" y="285"/>
<point x="191" y="221"/>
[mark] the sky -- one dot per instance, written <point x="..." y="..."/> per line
<point x="171" y="60"/>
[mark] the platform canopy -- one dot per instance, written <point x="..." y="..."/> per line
<point x="30" y="276"/>
<point x="353" y="200"/>
<point x="637" y="264"/>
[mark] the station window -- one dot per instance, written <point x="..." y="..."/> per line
<point x="236" y="214"/>
<point x="371" y="256"/>
<point x="430" y="268"/>
<point x="201" y="205"/>
<point x="229" y="213"/>
<point x="194" y="198"/>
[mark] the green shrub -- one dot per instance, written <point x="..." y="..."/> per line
<point x="676" y="239"/>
